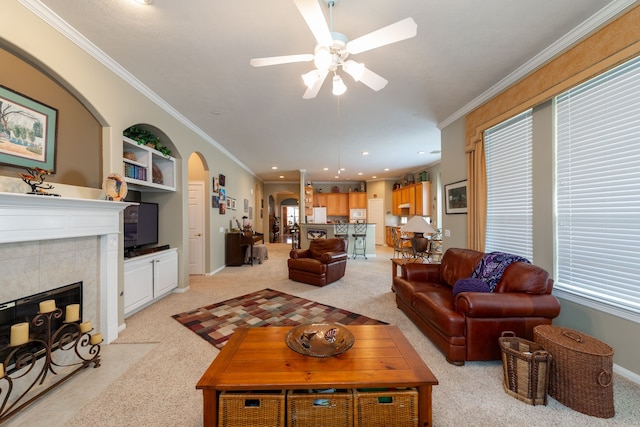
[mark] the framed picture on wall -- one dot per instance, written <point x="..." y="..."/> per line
<point x="215" y="202"/>
<point x="221" y="180"/>
<point x="215" y="184"/>
<point x="27" y="131"/>
<point x="246" y="205"/>
<point x="456" y="197"/>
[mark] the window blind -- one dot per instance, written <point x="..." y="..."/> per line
<point x="508" y="151"/>
<point x="598" y="191"/>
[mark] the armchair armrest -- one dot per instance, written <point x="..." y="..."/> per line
<point x="300" y="253"/>
<point x="418" y="272"/>
<point x="496" y="305"/>
<point x="329" y="257"/>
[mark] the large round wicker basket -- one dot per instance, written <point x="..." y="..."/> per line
<point x="581" y="374"/>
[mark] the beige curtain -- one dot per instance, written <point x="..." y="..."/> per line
<point x="476" y="195"/>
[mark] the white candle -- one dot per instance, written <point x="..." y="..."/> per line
<point x="19" y="334"/>
<point x="85" y="327"/>
<point x="1" y="370"/>
<point x="96" y="338"/>
<point x="47" y="306"/>
<point x="72" y="313"/>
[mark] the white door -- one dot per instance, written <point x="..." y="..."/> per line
<point x="196" y="227"/>
<point x="376" y="216"/>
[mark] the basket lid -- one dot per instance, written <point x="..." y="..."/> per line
<point x="573" y="340"/>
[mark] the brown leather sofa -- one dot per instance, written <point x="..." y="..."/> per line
<point x="467" y="326"/>
<point x="324" y="262"/>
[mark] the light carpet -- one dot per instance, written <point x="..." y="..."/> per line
<point x="159" y="389"/>
<point x="267" y="307"/>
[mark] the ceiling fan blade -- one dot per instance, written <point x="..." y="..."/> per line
<point x="373" y="80"/>
<point x="276" y="60"/>
<point x="312" y="14"/>
<point x="401" y="30"/>
<point x="313" y="90"/>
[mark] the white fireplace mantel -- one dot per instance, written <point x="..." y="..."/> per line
<point x="28" y="217"/>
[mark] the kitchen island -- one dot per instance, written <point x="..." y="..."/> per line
<point x="313" y="231"/>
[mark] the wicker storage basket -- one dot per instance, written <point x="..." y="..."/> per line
<point x="526" y="369"/>
<point x="581" y="370"/>
<point x="252" y="409"/>
<point x="320" y="408"/>
<point x="385" y="408"/>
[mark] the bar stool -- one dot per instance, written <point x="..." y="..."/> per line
<point x="341" y="231"/>
<point x="359" y="240"/>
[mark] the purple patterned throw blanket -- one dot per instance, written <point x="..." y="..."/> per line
<point x="492" y="265"/>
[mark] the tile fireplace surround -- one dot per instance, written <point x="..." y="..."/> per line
<point x="47" y="242"/>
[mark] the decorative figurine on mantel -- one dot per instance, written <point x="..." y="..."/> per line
<point x="35" y="178"/>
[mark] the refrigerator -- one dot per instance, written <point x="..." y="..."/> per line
<point x="319" y="216"/>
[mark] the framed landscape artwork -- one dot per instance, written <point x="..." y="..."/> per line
<point x="456" y="197"/>
<point x="27" y="131"/>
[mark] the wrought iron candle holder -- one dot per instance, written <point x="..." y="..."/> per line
<point x="68" y="341"/>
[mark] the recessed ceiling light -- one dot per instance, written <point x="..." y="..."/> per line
<point x="281" y="176"/>
<point x="436" y="152"/>
<point x="359" y="173"/>
<point x="341" y="169"/>
<point x="386" y="169"/>
<point x="420" y="152"/>
<point x="274" y="167"/>
<point x="365" y="153"/>
<point x="325" y="169"/>
<point x="337" y="176"/>
<point x="374" y="177"/>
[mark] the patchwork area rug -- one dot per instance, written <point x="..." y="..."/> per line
<point x="216" y="322"/>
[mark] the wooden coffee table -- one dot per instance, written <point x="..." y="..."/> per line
<point x="259" y="359"/>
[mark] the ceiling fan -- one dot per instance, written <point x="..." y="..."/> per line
<point x="333" y="49"/>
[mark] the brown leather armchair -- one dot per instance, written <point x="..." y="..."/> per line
<point x="324" y="262"/>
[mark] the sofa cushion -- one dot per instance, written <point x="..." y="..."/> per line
<point x="457" y="264"/>
<point x="492" y="265"/>
<point x="319" y="246"/>
<point x="307" y="264"/>
<point x="470" y="284"/>
<point x="436" y="307"/>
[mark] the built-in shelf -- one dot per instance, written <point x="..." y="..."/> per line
<point x="146" y="169"/>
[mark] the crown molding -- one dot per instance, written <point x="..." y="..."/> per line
<point x="579" y="33"/>
<point x="60" y="25"/>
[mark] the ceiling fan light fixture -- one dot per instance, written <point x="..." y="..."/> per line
<point x="311" y="78"/>
<point x="339" y="87"/>
<point x="354" y="69"/>
<point x="323" y="58"/>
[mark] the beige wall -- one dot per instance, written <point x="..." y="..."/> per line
<point x="116" y="105"/>
<point x="454" y="169"/>
<point x="78" y="142"/>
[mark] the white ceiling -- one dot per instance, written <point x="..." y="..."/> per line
<point x="194" y="54"/>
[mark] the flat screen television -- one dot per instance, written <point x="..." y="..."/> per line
<point x="140" y="225"/>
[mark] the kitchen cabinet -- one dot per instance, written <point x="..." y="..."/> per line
<point x="357" y="200"/>
<point x="337" y="204"/>
<point x="320" y="200"/>
<point x="147" y="169"/>
<point x="423" y="198"/>
<point x="148" y="278"/>
<point x="395" y="198"/>
<point x="417" y="196"/>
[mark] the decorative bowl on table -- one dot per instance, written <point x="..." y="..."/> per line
<point x="319" y="339"/>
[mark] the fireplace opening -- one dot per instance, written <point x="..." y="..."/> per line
<point x="25" y="309"/>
